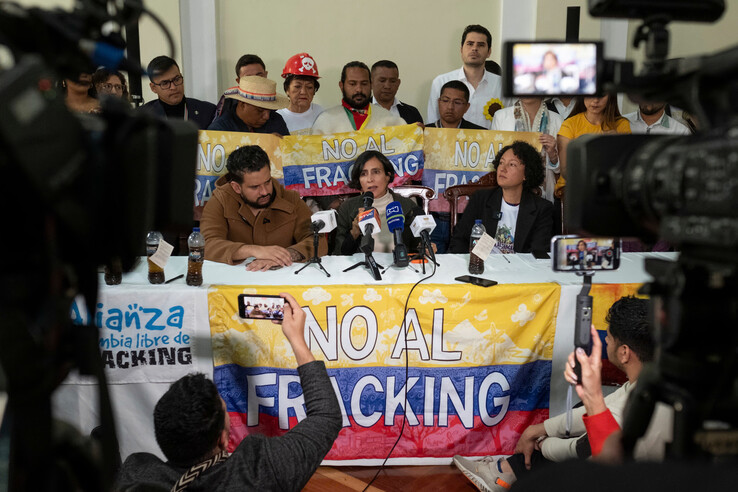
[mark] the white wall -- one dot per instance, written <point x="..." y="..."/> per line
<point x="422" y="36"/>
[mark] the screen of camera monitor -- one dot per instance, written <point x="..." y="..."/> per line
<point x="262" y="307"/>
<point x="541" y="69"/>
<point x="586" y="254"/>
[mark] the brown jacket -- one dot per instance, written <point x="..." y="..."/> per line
<point x="227" y="223"/>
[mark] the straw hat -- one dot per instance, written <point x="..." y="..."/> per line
<point x="258" y="91"/>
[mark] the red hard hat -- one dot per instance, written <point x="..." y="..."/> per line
<point x="301" y="64"/>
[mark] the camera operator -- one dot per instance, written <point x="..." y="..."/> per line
<point x="192" y="428"/>
<point x="629" y="346"/>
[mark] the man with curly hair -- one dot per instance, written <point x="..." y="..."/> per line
<point x="519" y="220"/>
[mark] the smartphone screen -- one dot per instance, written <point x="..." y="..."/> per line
<point x="482" y="282"/>
<point x="260" y="307"/>
<point x="552" y="68"/>
<point x="587" y="254"/>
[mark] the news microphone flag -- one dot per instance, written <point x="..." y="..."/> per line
<point x="395" y="218"/>
<point x="369" y="218"/>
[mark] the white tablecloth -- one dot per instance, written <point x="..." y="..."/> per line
<point x="134" y="402"/>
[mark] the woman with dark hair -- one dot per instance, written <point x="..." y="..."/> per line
<point x="77" y="94"/>
<point x="110" y="82"/>
<point x="373" y="172"/>
<point x="590" y="115"/>
<point x="517" y="219"/>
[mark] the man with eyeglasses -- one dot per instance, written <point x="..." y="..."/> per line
<point x="167" y="83"/>
<point x="452" y="104"/>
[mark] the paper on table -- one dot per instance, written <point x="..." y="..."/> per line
<point x="484" y="246"/>
<point x="163" y="252"/>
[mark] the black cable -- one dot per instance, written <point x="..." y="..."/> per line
<point x="407" y="371"/>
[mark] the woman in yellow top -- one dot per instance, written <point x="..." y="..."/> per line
<point x="590" y="115"/>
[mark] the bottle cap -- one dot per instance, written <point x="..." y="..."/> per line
<point x="478" y="221"/>
<point x="195" y="229"/>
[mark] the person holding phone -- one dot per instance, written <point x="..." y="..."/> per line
<point x="629" y="345"/>
<point x="195" y="447"/>
<point x="517" y="219"/>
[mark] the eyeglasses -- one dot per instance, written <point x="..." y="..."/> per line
<point x="166" y="84"/>
<point x="456" y="102"/>
<point x="110" y="87"/>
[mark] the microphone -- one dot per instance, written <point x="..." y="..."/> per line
<point x="421" y="226"/>
<point x="324" y="221"/>
<point x="367" y="200"/>
<point x="369" y="225"/>
<point x="396" y="224"/>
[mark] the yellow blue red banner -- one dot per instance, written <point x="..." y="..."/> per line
<point x="456" y="156"/>
<point x="479" y="365"/>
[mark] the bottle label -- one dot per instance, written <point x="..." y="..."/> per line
<point x="151" y="249"/>
<point x="196" y="255"/>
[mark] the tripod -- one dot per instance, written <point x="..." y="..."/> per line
<point x="370" y="265"/>
<point x="315" y="259"/>
<point x="423" y="255"/>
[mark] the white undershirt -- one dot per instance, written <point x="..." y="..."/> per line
<point x="505" y="234"/>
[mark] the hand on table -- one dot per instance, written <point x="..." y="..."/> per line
<point x="276" y="254"/>
<point x="262" y="266"/>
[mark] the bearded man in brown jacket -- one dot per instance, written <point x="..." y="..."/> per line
<point x="251" y="215"/>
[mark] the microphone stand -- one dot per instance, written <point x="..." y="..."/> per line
<point x="315" y="259"/>
<point x="370" y="264"/>
<point x="369" y="261"/>
<point x="423" y="255"/>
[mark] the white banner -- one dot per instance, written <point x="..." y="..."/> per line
<point x="148" y="334"/>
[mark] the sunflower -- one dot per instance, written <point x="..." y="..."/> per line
<point x="492" y="106"/>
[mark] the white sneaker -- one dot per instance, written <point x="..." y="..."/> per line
<point x="485" y="474"/>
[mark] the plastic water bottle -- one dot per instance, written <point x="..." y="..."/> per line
<point x="476" y="264"/>
<point x="196" y="244"/>
<point x="113" y="271"/>
<point x="156" y="273"/>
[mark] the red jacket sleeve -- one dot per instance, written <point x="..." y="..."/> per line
<point x="599" y="427"/>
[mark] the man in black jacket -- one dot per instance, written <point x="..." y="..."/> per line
<point x="452" y="104"/>
<point x="192" y="428"/>
<point x="385" y="84"/>
<point x="167" y="83"/>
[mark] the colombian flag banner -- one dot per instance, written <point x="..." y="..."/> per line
<point x="310" y="164"/>
<point x="213" y="150"/>
<point x="479" y="366"/>
<point x="321" y="164"/>
<point x="455" y="157"/>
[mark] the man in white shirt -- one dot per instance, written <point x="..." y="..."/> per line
<point x="484" y="87"/>
<point x="651" y="119"/>
<point x="561" y="105"/>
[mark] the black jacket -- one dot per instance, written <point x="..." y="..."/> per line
<point x="199" y="112"/>
<point x="532" y="230"/>
<point x="466" y="125"/>
<point x="229" y="122"/>
<point x="346" y="244"/>
<point x="409" y="113"/>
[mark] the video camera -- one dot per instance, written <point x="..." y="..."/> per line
<point x="680" y="189"/>
<point x="80" y="191"/>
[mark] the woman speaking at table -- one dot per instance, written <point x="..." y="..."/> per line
<point x="372" y="172"/>
<point x="517" y="219"/>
